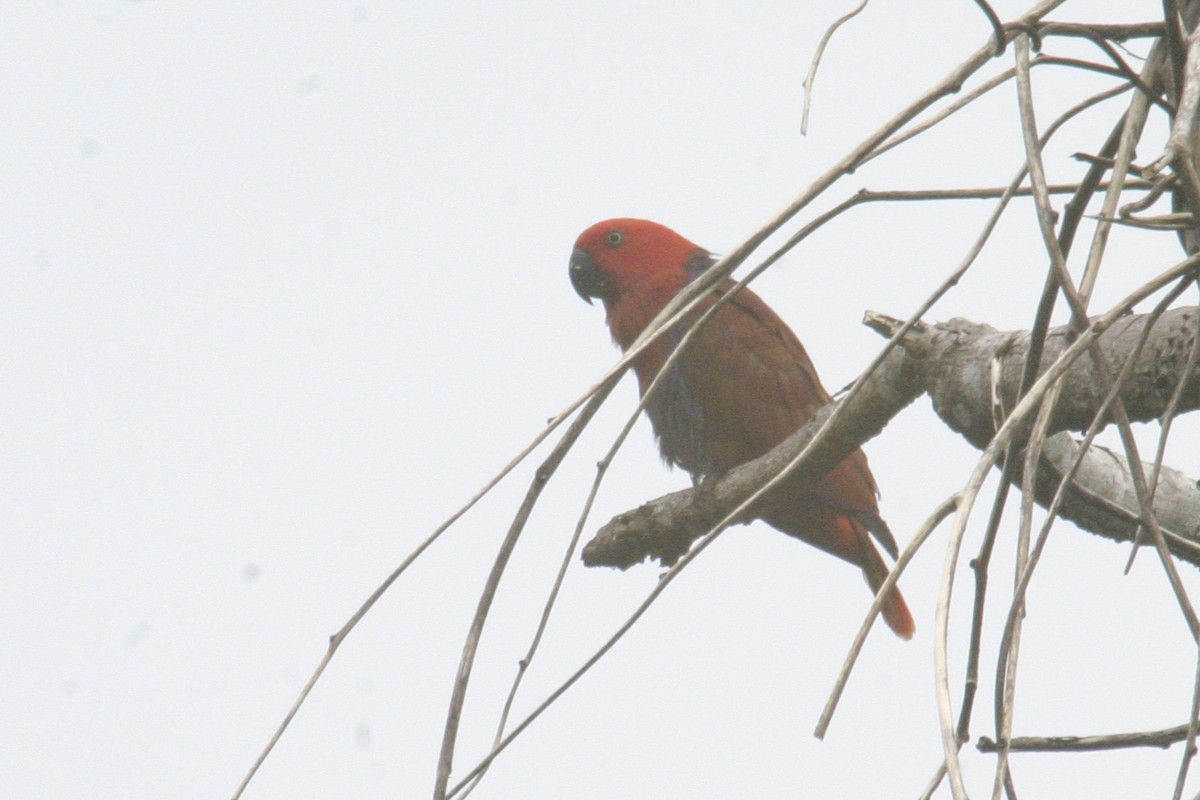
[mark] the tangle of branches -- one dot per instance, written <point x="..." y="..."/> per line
<point x="1031" y="401"/>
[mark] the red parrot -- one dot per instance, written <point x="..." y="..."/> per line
<point x="743" y="385"/>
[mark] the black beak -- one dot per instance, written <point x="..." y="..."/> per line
<point x="586" y="277"/>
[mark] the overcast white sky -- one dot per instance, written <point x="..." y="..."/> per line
<point x="282" y="284"/>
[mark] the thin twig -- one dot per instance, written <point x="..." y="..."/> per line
<point x="981" y="193"/>
<point x="939" y="775"/>
<point x="935" y="518"/>
<point x="1114" y="741"/>
<point x="1005" y="687"/>
<point x="1120" y="32"/>
<point x="959" y="103"/>
<point x="1131" y="133"/>
<point x="1123" y="69"/>
<point x="1091" y="66"/>
<point x="524" y="663"/>
<point x="1180" y="148"/>
<point x="997" y="26"/>
<point x="1189" y="750"/>
<point x="492" y="584"/>
<point x="811" y="77"/>
<point x="1179" y="144"/>
<point x="1005" y="695"/>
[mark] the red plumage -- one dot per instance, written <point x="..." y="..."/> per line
<point x="742" y="386"/>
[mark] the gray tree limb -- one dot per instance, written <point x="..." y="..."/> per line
<point x="964" y="366"/>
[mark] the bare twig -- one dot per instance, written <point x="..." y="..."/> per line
<point x="1120" y="32"/>
<point x="930" y="524"/>
<point x="1115" y="741"/>
<point x="524" y="663"/>
<point x="811" y="77"/>
<point x="997" y="26"/>
<point x="1179" y="152"/>
<point x="1179" y="144"/>
<point x="1189" y="750"/>
<point x="541" y="477"/>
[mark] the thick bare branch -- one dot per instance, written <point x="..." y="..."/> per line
<point x="956" y="363"/>
<point x="960" y="378"/>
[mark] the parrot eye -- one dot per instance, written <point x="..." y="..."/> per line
<point x="614" y="238"/>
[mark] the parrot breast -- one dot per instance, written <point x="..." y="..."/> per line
<point x="676" y="413"/>
<point x="678" y="421"/>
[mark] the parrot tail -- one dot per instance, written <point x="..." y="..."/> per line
<point x="895" y="610"/>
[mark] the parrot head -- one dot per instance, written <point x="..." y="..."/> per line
<point x="621" y="259"/>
